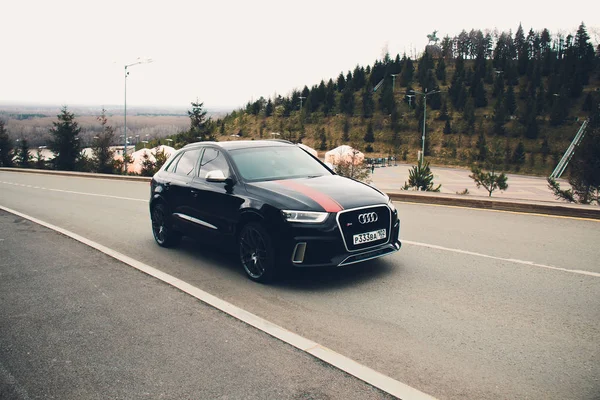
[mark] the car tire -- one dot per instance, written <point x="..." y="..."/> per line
<point x="163" y="233"/>
<point x="257" y="253"/>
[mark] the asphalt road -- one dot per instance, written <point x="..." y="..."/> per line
<point x="477" y="304"/>
<point x="77" y="324"/>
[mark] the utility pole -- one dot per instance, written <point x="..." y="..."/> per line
<point x="424" y="94"/>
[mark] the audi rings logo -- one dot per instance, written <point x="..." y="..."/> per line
<point x="367" y="218"/>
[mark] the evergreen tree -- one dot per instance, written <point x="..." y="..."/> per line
<point x="386" y="100"/>
<point x="420" y="178"/>
<point x="440" y="71"/>
<point x="368" y="104"/>
<point x="369" y="135"/>
<point x="346" y="130"/>
<point x="545" y="150"/>
<point x="498" y="89"/>
<point x="102" y="155"/>
<point x="198" y="125"/>
<point x="407" y="74"/>
<point x="444" y="116"/>
<point x="341" y="82"/>
<point x="510" y="101"/>
<point x="347" y="101"/>
<point x="64" y="142"/>
<point x="499" y="116"/>
<point x="6" y="154"/>
<point x="479" y="95"/>
<point x="488" y="176"/>
<point x="329" y="103"/>
<point x="23" y="158"/>
<point x="482" y="148"/>
<point x="322" y="139"/>
<point x="518" y="157"/>
<point x="268" y="110"/>
<point x="469" y="113"/>
<point x="447" y="128"/>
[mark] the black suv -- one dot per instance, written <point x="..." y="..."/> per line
<point x="274" y="202"/>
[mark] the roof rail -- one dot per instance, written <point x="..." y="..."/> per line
<point x="280" y="140"/>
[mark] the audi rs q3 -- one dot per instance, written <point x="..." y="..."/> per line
<point x="272" y="202"/>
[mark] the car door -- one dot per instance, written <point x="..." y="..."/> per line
<point x="177" y="185"/>
<point x="215" y="204"/>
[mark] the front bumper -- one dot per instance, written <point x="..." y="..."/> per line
<point x="324" y="245"/>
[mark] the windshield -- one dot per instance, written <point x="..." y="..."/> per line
<point x="278" y="162"/>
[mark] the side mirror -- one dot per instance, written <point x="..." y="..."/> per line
<point x="216" y="176"/>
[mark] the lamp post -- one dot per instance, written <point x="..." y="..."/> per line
<point x="301" y="98"/>
<point x="410" y="96"/>
<point x="139" y="61"/>
<point x="424" y="94"/>
<point x="394" y="81"/>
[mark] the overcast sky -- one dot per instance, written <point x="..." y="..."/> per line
<point x="225" y="53"/>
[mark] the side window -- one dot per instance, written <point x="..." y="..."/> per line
<point x="187" y="163"/>
<point x="172" y="164"/>
<point x="213" y="159"/>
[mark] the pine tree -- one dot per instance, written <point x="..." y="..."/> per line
<point x="64" y="142"/>
<point x="487" y="175"/>
<point x="479" y="94"/>
<point x="346" y="130"/>
<point x="499" y="117"/>
<point x="5" y="147"/>
<point x="518" y="157"/>
<point x="440" y="71"/>
<point x="198" y="125"/>
<point x="369" y="135"/>
<point x="510" y="101"/>
<point x="347" y="101"/>
<point x="268" y="109"/>
<point x="447" y="128"/>
<point x="482" y="147"/>
<point x="368" y="104"/>
<point x="23" y="158"/>
<point x="322" y="139"/>
<point x="102" y="154"/>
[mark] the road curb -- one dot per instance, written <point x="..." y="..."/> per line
<point x="467" y="201"/>
<point x="522" y="206"/>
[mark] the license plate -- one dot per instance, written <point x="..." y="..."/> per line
<point x="369" y="236"/>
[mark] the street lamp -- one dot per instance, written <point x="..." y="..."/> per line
<point x="301" y="102"/>
<point x="394" y="81"/>
<point x="424" y="94"/>
<point x="410" y="96"/>
<point x="139" y="61"/>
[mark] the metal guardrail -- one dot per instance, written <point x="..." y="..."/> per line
<point x="564" y="161"/>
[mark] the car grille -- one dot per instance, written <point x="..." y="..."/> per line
<point x="363" y="220"/>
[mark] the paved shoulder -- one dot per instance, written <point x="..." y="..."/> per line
<point x="75" y="323"/>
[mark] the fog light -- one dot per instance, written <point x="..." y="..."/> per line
<point x="298" y="255"/>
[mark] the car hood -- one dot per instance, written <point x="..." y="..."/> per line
<point x="330" y="193"/>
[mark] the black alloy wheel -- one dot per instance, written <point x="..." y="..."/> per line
<point x="161" y="229"/>
<point x="256" y="252"/>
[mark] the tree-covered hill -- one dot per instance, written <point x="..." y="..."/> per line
<point x="527" y="92"/>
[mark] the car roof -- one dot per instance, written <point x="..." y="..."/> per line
<point x="243" y="144"/>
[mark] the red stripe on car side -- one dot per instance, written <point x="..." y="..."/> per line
<point x="328" y="204"/>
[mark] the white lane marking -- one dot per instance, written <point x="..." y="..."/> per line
<point x="362" y="372"/>
<point x="530" y="263"/>
<point x="73" y="192"/>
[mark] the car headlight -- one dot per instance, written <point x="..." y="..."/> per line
<point x="391" y="205"/>
<point x="309" y="217"/>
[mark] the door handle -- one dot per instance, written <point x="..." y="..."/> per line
<point x="194" y="192"/>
